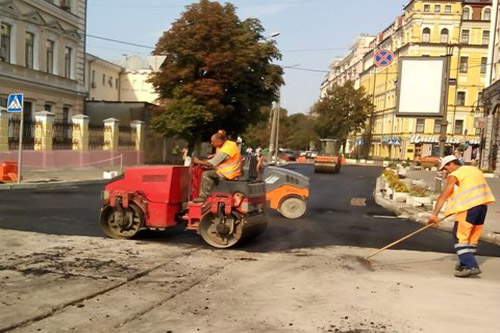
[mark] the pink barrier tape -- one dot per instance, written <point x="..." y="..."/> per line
<point x="84" y="164"/>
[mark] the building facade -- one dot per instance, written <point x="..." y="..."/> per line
<point x="490" y="157"/>
<point x="42" y="50"/>
<point x="456" y="29"/>
<point x="348" y="67"/>
<point x="125" y="82"/>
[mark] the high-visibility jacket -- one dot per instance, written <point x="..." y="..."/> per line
<point x="472" y="190"/>
<point x="231" y="167"/>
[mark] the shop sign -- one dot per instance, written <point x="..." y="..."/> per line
<point x="417" y="138"/>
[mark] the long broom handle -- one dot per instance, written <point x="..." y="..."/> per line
<point x="402" y="239"/>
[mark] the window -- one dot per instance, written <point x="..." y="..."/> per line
<point x="426" y="35"/>
<point x="92" y="80"/>
<point x="67" y="61"/>
<point x="110" y="81"/>
<point x="484" y="63"/>
<point x="49" y="66"/>
<point x="464" y="64"/>
<point x="487" y="14"/>
<point x="65" y="115"/>
<point x="459" y="127"/>
<point x="103" y="79"/>
<point x="437" y="8"/>
<point x="486" y="37"/>
<point x="5" y="43"/>
<point x="465" y="37"/>
<point x="447" y="9"/>
<point x="47" y="107"/>
<point x="29" y="42"/>
<point x="466" y="13"/>
<point x="116" y="83"/>
<point x="461" y="98"/>
<point x="437" y="125"/>
<point x="420" y="125"/>
<point x="427" y="8"/>
<point x="444" y="36"/>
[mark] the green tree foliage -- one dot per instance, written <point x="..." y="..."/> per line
<point x="218" y="72"/>
<point x="295" y="131"/>
<point x="343" y="110"/>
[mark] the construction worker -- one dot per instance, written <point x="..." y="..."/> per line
<point x="468" y="195"/>
<point x="226" y="163"/>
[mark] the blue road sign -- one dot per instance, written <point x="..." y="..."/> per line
<point x="383" y="58"/>
<point x="15" y="102"/>
<point x="361" y="142"/>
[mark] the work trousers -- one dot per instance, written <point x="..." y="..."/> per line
<point x="466" y="231"/>
<point x="209" y="179"/>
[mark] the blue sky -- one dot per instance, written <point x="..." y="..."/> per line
<point x="312" y="32"/>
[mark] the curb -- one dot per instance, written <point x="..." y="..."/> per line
<point x="49" y="185"/>
<point x="420" y="215"/>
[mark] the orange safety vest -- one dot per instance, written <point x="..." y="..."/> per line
<point x="472" y="190"/>
<point x="231" y="167"/>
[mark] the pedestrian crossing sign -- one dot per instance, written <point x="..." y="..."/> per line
<point x="15" y="102"/>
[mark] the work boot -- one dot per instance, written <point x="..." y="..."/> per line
<point x="459" y="267"/>
<point x="466" y="272"/>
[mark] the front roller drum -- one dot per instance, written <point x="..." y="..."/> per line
<point x="326" y="168"/>
<point x="292" y="207"/>
<point x="225" y="231"/>
<point x="121" y="223"/>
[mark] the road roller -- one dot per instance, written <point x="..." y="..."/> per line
<point x="328" y="160"/>
<point x="287" y="191"/>
<point x="161" y="197"/>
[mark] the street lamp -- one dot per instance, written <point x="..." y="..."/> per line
<point x="481" y="103"/>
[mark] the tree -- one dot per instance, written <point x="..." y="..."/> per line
<point x="218" y="72"/>
<point x="343" y="110"/>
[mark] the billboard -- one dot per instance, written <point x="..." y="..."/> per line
<point x="421" y="86"/>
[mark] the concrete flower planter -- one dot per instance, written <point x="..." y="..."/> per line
<point x="420" y="201"/>
<point x="400" y="196"/>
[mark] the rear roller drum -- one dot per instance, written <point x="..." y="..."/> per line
<point x="221" y="231"/>
<point x="292" y="207"/>
<point x="121" y="223"/>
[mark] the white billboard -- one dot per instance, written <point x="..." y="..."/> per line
<point x="421" y="85"/>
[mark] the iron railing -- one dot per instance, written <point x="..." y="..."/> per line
<point x="96" y="137"/>
<point x="126" y="138"/>
<point x="28" y="133"/>
<point x="63" y="133"/>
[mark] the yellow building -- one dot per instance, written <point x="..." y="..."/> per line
<point x="431" y="28"/>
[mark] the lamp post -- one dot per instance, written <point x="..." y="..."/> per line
<point x="444" y="119"/>
<point x="479" y="111"/>
<point x="275" y="111"/>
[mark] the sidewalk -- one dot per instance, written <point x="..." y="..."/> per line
<point x="59" y="177"/>
<point x="491" y="231"/>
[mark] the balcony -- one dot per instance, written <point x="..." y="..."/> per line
<point x="36" y="78"/>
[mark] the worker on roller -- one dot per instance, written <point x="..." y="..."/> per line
<point x="225" y="164"/>
<point x="468" y="195"/>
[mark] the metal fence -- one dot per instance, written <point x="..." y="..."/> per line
<point x="96" y="137"/>
<point x="126" y="138"/>
<point x="63" y="134"/>
<point x="28" y="133"/>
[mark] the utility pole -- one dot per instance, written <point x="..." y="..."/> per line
<point x="444" y="119"/>
<point x="276" y="140"/>
<point x="272" y="139"/>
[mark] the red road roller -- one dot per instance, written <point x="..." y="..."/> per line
<point x="160" y="197"/>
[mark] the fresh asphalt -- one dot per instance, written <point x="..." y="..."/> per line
<point x="330" y="219"/>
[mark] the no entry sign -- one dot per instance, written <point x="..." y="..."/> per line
<point x="383" y="58"/>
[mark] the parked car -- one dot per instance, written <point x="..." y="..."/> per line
<point x="287" y="155"/>
<point x="311" y="154"/>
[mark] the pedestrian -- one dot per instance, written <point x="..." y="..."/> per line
<point x="468" y="195"/>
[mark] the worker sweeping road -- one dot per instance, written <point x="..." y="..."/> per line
<point x="468" y="195"/>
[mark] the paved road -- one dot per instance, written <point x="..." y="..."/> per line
<point x="330" y="218"/>
<point x="301" y="276"/>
